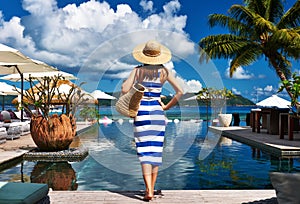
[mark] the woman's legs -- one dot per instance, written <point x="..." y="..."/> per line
<point x="154" y="176"/>
<point x="149" y="174"/>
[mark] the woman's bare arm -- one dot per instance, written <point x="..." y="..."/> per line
<point x="171" y="79"/>
<point x="127" y="84"/>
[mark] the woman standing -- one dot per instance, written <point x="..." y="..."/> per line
<point x="149" y="124"/>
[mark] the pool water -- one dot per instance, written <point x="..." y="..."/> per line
<point x="193" y="159"/>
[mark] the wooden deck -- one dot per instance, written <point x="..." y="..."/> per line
<point x="263" y="141"/>
<point x="169" y="197"/>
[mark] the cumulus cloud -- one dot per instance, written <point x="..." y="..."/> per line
<point x="260" y="93"/>
<point x="188" y="86"/>
<point x="240" y="73"/>
<point x="74" y="36"/>
<point x="269" y="88"/>
<point x="147" y="5"/>
<point x="235" y="91"/>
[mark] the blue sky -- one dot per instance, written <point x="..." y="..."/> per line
<point x="93" y="39"/>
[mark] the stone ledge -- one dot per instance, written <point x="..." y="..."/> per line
<point x="71" y="155"/>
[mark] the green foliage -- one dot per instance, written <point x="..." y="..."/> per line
<point x="217" y="97"/>
<point x="45" y="92"/>
<point x="293" y="85"/>
<point x="89" y="113"/>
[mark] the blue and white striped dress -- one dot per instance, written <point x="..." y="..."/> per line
<point x="150" y="125"/>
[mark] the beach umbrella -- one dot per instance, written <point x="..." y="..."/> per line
<point x="97" y="94"/>
<point x="274" y="101"/>
<point x="64" y="87"/>
<point x="9" y="89"/>
<point x="12" y="61"/>
<point x="6" y="89"/>
<point x="2" y="94"/>
<point x="39" y="75"/>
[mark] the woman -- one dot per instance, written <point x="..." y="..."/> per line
<point x="149" y="124"/>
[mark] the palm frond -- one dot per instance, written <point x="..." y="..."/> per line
<point x="234" y="26"/>
<point x="246" y="56"/>
<point x="287" y="40"/>
<point x="262" y="25"/>
<point x="256" y="6"/>
<point x="242" y="14"/>
<point x="274" y="10"/>
<point x="221" y="46"/>
<point x="291" y="18"/>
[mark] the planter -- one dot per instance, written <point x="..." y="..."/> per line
<point x="225" y="119"/>
<point x="58" y="175"/>
<point x="54" y="134"/>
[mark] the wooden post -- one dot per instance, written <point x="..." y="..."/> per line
<point x="281" y="126"/>
<point x="253" y="120"/>
<point x="291" y="127"/>
<point x="258" y="121"/>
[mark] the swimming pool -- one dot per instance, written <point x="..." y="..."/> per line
<point x="193" y="159"/>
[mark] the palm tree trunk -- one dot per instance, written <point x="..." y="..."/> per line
<point x="281" y="75"/>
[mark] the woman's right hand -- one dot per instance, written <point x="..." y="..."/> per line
<point x="164" y="107"/>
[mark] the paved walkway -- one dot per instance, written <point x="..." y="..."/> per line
<point x="263" y="141"/>
<point x="169" y="197"/>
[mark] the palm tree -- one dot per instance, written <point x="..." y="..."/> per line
<point x="259" y="28"/>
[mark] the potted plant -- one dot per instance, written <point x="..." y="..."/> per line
<point x="52" y="132"/>
<point x="217" y="98"/>
<point x="293" y="85"/>
<point x="89" y="113"/>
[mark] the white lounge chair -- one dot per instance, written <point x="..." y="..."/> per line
<point x="3" y="135"/>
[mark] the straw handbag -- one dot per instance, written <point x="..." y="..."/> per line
<point x="129" y="103"/>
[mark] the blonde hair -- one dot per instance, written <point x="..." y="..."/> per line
<point x="151" y="72"/>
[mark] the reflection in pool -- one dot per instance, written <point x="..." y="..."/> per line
<point x="193" y="159"/>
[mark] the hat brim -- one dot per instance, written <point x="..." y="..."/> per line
<point x="164" y="57"/>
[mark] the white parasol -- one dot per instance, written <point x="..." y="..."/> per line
<point x="13" y="61"/>
<point x="39" y="75"/>
<point x="274" y="101"/>
<point x="97" y="94"/>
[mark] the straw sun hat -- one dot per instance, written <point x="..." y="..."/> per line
<point x="152" y="52"/>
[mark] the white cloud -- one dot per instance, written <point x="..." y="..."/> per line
<point x="235" y="91"/>
<point x="268" y="88"/>
<point x="147" y="5"/>
<point x="240" y="73"/>
<point x="188" y="86"/>
<point x="260" y="93"/>
<point x="69" y="36"/>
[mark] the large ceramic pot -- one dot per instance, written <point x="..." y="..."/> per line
<point x="54" y="134"/>
<point x="225" y="119"/>
<point x="58" y="175"/>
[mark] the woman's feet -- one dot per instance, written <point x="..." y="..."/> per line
<point x="147" y="198"/>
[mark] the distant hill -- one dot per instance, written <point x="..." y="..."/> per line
<point x="238" y="100"/>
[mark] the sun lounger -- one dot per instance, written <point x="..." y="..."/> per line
<point x="14" y="131"/>
<point x="3" y="135"/>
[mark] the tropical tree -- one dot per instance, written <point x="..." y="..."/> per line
<point x="259" y="28"/>
<point x="216" y="97"/>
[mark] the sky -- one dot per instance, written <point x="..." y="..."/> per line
<point x="94" y="39"/>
